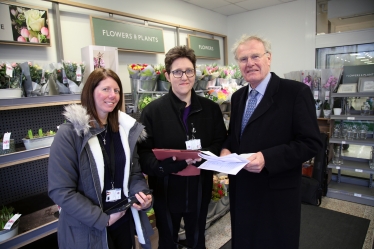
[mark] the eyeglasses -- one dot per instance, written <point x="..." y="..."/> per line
<point x="253" y="57"/>
<point x="179" y="73"/>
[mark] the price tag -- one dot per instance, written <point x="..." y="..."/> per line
<point x="79" y="73"/>
<point x="359" y="170"/>
<point x="42" y="80"/>
<point x="9" y="70"/>
<point x="327" y="95"/>
<point x="6" y="141"/>
<point x="337" y="167"/>
<point x="316" y="94"/>
<point x="357" y="195"/>
<point x="64" y="78"/>
<point x="10" y="223"/>
<point x="343" y="142"/>
<point x="350" y="118"/>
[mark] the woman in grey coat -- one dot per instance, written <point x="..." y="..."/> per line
<point x="93" y="167"/>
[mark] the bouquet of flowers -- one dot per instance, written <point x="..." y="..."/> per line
<point x="13" y="81"/>
<point x="218" y="95"/>
<point x="208" y="72"/>
<point x="218" y="191"/>
<point x="73" y="72"/>
<point x="160" y="71"/>
<point x="331" y="83"/>
<point x="29" y="25"/>
<point x="226" y="73"/>
<point x="308" y="80"/>
<point x="142" y="72"/>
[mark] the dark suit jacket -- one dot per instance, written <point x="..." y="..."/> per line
<point x="265" y="206"/>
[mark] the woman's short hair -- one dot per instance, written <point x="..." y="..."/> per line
<point x="87" y="96"/>
<point x="179" y="52"/>
<point x="244" y="38"/>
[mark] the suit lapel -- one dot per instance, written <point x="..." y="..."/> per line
<point x="267" y="99"/>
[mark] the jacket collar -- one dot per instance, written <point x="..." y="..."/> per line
<point x="179" y="105"/>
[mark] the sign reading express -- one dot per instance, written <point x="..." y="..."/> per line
<point x="127" y="36"/>
<point x="204" y="47"/>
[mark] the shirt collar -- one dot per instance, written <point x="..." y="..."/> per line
<point x="262" y="86"/>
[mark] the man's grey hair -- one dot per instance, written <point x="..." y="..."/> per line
<point x="244" y="38"/>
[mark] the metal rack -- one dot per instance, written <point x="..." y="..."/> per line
<point x="347" y="187"/>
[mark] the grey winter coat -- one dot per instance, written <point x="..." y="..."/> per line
<point x="76" y="180"/>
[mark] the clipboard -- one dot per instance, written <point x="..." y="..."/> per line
<point x="162" y="154"/>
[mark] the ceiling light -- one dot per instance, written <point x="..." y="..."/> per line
<point x="365" y="60"/>
<point x="360" y="57"/>
<point x="355" y="54"/>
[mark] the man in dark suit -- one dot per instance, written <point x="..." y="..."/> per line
<point x="282" y="132"/>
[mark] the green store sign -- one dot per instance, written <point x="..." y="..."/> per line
<point x="127" y="36"/>
<point x="204" y="47"/>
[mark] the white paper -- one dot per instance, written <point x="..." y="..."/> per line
<point x="230" y="164"/>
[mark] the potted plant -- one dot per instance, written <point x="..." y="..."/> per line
<point x="39" y="140"/>
<point x="10" y="86"/>
<point x="326" y="109"/>
<point x="6" y="213"/>
<point x="318" y="108"/>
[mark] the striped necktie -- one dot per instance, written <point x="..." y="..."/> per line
<point x="251" y="105"/>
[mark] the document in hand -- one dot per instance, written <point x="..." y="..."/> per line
<point x="162" y="154"/>
<point x="230" y="164"/>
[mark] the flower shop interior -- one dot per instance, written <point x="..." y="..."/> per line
<point x="325" y="44"/>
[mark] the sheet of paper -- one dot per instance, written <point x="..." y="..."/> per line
<point x="230" y="164"/>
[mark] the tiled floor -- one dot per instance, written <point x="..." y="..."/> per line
<point x="220" y="232"/>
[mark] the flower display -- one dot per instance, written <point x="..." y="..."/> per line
<point x="29" y="25"/>
<point x="308" y="80"/>
<point x="73" y="71"/>
<point x="142" y="72"/>
<point x="218" y="191"/>
<point x="13" y="81"/>
<point x="160" y="71"/>
<point x="218" y="95"/>
<point x="331" y="83"/>
<point x="207" y="72"/>
<point x="99" y="61"/>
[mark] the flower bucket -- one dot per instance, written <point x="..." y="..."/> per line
<point x="318" y="113"/>
<point x="163" y="86"/>
<point x="138" y="85"/>
<point x="7" y="234"/>
<point x="326" y="113"/>
<point x="204" y="85"/>
<point x="223" y="205"/>
<point x="211" y="209"/>
<point x="38" y="142"/>
<point x="10" y="93"/>
<point x="12" y="148"/>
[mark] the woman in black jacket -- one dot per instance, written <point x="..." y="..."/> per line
<point x="174" y="121"/>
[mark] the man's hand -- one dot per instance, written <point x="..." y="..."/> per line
<point x="256" y="163"/>
<point x="225" y="152"/>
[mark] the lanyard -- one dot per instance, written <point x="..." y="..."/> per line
<point x="109" y="162"/>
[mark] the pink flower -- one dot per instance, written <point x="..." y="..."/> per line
<point x="14" y="12"/>
<point x="25" y="33"/>
<point x="34" y="39"/>
<point x="14" y="64"/>
<point x="44" y="31"/>
<point x="21" y="39"/>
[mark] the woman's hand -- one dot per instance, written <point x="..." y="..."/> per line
<point x="145" y="201"/>
<point x="114" y="217"/>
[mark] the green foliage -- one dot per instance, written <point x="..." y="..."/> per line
<point x="326" y="105"/>
<point x="40" y="132"/>
<point x="29" y="134"/>
<point x="5" y="215"/>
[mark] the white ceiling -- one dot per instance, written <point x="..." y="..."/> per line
<point x="232" y="7"/>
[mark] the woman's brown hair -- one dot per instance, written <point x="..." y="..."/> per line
<point x="179" y="52"/>
<point x="88" y="101"/>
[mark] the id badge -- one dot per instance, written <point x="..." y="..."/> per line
<point x="193" y="144"/>
<point x="113" y="195"/>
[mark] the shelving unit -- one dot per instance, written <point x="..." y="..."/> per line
<point x="23" y="174"/>
<point x="346" y="187"/>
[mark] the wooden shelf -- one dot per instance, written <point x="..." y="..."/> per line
<point x="40" y="101"/>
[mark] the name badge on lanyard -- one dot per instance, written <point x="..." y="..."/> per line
<point x="193" y="144"/>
